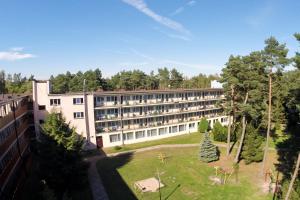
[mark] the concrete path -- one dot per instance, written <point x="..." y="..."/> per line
<point x="96" y="184"/>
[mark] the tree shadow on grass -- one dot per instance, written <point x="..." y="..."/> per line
<point x="113" y="182"/>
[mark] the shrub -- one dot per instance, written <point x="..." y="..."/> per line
<point x="117" y="148"/>
<point x="203" y="125"/>
<point x="219" y="132"/>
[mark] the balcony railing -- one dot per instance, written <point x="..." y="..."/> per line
<point x="153" y="124"/>
<point x="158" y="113"/>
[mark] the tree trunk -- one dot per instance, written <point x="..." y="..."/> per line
<point x="269" y="123"/>
<point x="236" y="160"/>
<point x="293" y="178"/>
<point x="229" y="123"/>
<point x="228" y="135"/>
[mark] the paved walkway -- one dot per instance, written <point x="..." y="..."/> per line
<point x="96" y="185"/>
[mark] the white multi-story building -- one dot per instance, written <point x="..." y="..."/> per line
<point x="110" y="118"/>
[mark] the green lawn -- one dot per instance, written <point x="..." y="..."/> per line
<point x="183" y="174"/>
<point x="192" y="138"/>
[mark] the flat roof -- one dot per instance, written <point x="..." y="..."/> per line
<point x="6" y="98"/>
<point x="119" y="92"/>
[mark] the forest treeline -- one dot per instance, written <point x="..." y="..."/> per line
<point x="124" y="80"/>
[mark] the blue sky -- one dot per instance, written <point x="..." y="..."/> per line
<point x="44" y="37"/>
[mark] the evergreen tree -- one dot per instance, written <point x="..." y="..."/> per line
<point x="176" y="79"/>
<point x="203" y="125"/>
<point x="208" y="151"/>
<point x="275" y="56"/>
<point x="252" y="148"/>
<point x="59" y="156"/>
<point x="2" y="82"/>
<point x="164" y="78"/>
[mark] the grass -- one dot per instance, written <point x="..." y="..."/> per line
<point x="278" y="137"/>
<point x="33" y="188"/>
<point x="192" y="138"/>
<point x="183" y="174"/>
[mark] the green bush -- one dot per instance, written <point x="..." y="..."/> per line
<point x="203" y="125"/>
<point x="117" y="148"/>
<point x="219" y="132"/>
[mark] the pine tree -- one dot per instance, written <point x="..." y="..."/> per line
<point x="252" y="148"/>
<point x="59" y="156"/>
<point x="208" y="151"/>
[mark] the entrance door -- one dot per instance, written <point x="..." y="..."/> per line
<point x="99" y="141"/>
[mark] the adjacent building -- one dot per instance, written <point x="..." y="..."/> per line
<point x="16" y="130"/>
<point x="110" y="118"/>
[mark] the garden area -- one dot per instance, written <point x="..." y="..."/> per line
<point x="183" y="175"/>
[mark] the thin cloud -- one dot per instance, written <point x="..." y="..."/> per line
<point x="178" y="11"/>
<point x="174" y="36"/>
<point x="15" y="54"/>
<point x="182" y="8"/>
<point x="143" y="7"/>
<point x="191" y="3"/>
<point x="132" y="64"/>
<point x="140" y="54"/>
<point x="189" y="65"/>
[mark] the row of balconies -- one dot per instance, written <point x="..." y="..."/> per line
<point x="9" y="117"/>
<point x="10" y="159"/>
<point x="150" y="124"/>
<point x="103" y="117"/>
<point x="12" y="137"/>
<point x="153" y="101"/>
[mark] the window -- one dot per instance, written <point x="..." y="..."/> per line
<point x="78" y="115"/>
<point x="54" y="102"/>
<point x="152" y="132"/>
<point x="139" y="134"/>
<point x="162" y="131"/>
<point x="128" y="136"/>
<point x="42" y="107"/>
<point x="77" y="101"/>
<point x="173" y="129"/>
<point x="114" y="138"/>
<point x="181" y="128"/>
<point x="192" y="125"/>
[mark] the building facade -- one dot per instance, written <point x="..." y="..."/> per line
<point x="111" y="118"/>
<point x="16" y="130"/>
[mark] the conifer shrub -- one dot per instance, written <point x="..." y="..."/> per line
<point x="208" y="151"/>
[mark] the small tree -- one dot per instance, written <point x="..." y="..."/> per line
<point x="208" y="151"/>
<point x="252" y="147"/>
<point x="219" y="132"/>
<point x="203" y="125"/>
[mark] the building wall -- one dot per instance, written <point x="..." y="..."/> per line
<point x="15" y="134"/>
<point x="107" y="118"/>
<point x="42" y="97"/>
<point x="147" y="137"/>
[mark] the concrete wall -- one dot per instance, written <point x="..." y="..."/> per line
<point x="66" y="107"/>
<point x="106" y="136"/>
